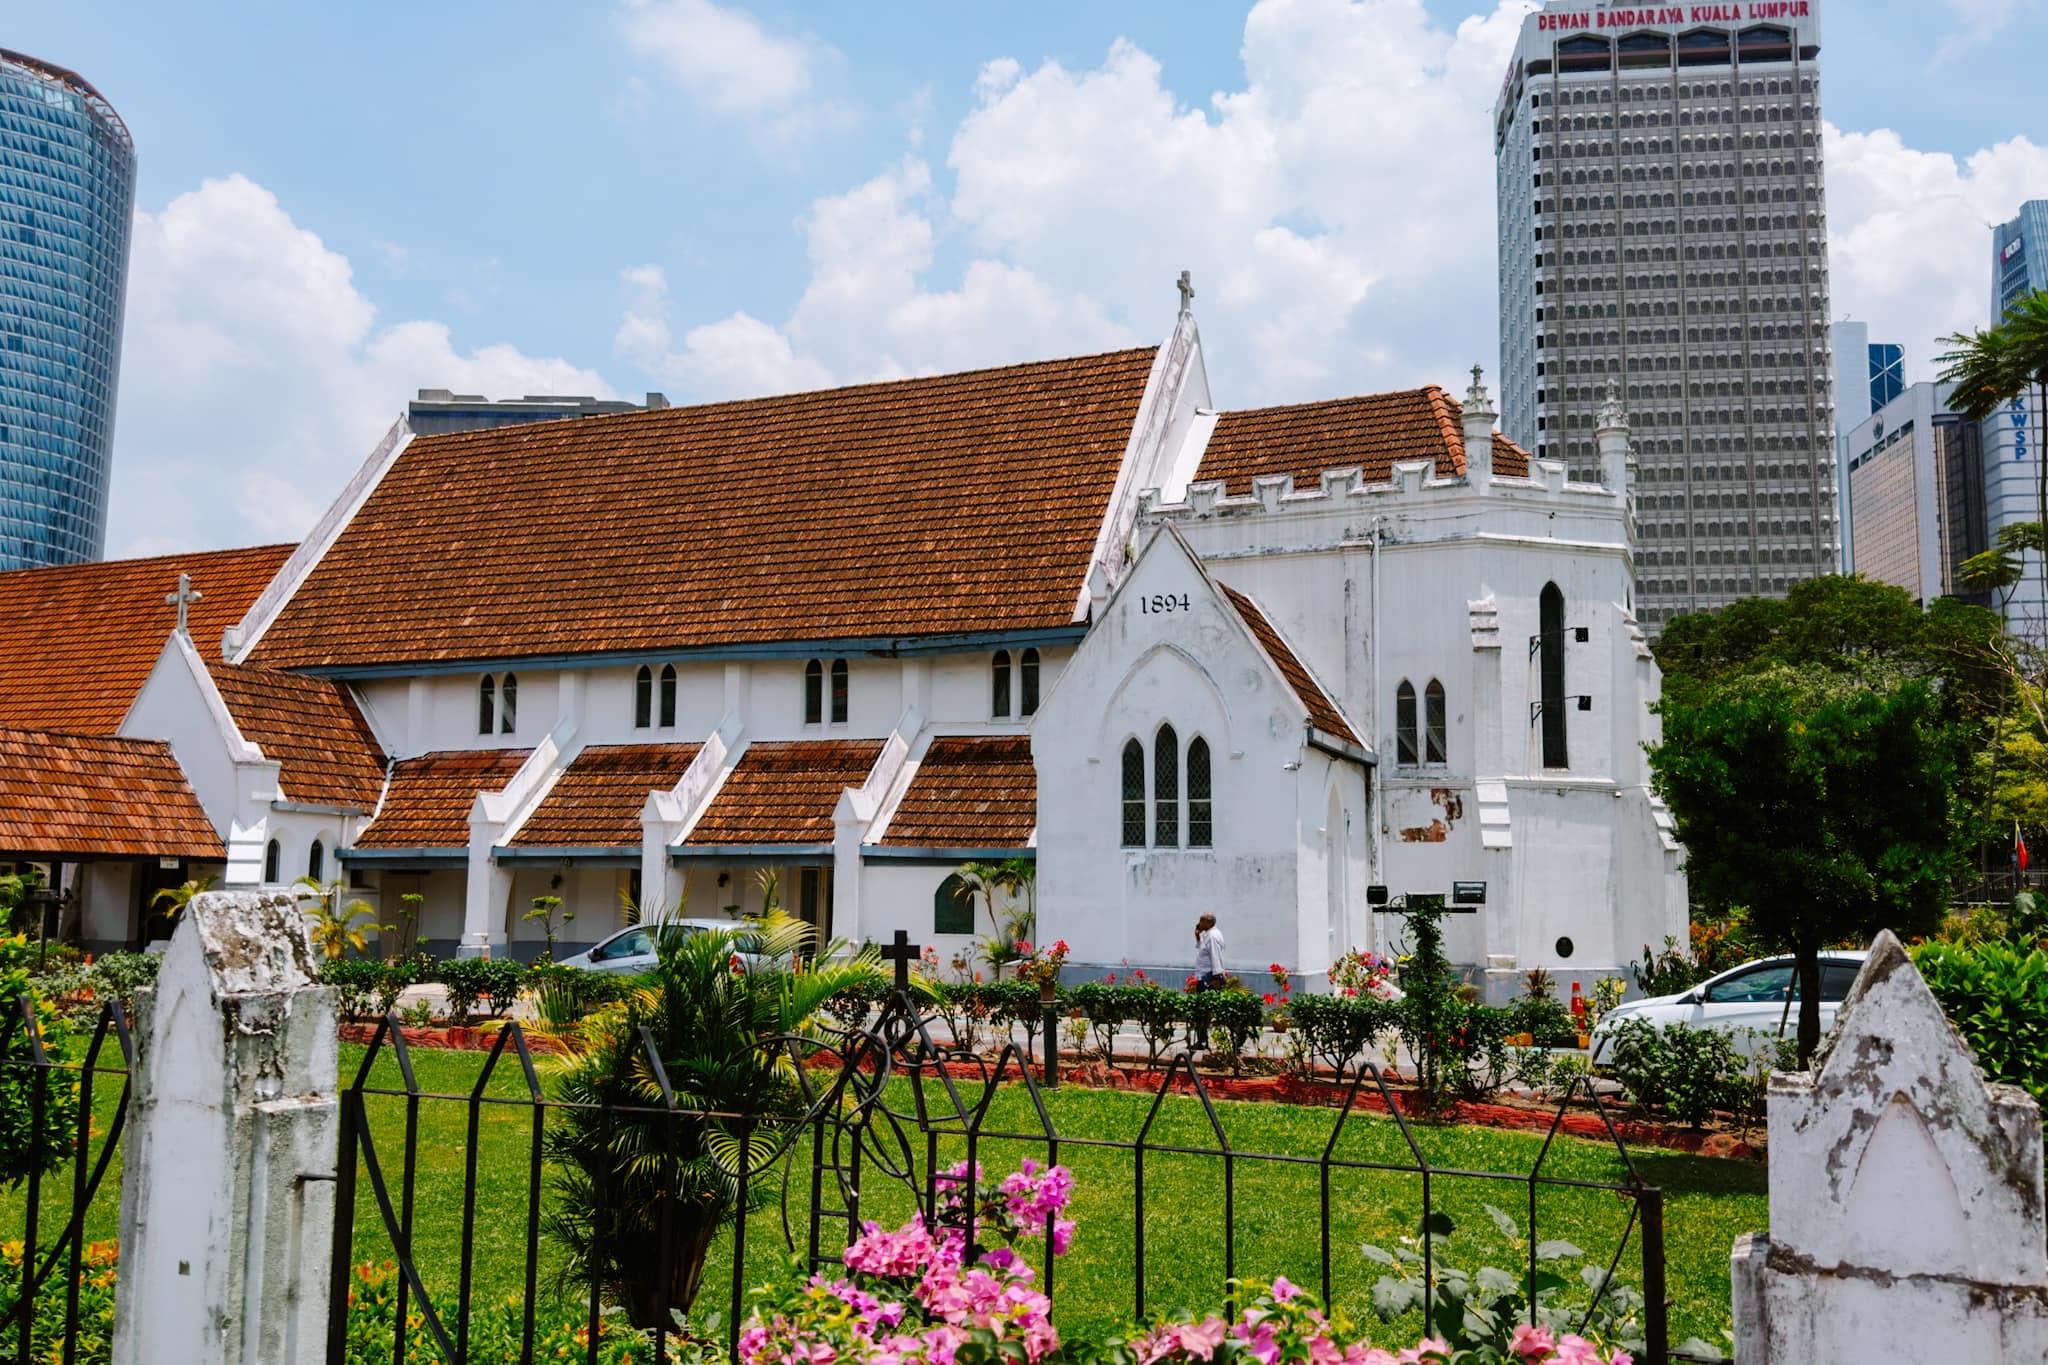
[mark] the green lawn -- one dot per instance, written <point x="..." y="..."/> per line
<point x="1708" y="1202"/>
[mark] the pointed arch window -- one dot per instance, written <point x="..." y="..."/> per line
<point x="643" y="698"/>
<point x="508" y="704"/>
<point x="1027" y="679"/>
<point x="1550" y="649"/>
<point x="839" y="691"/>
<point x="1406" y="752"/>
<point x="273" y="855"/>
<point x="668" y="694"/>
<point x="814" y="692"/>
<point x="1434" y="727"/>
<point x="487" y="705"/>
<point x="316" y="861"/>
<point x="999" y="685"/>
<point x="1201" y="822"/>
<point x="1134" y="794"/>
<point x="1166" y="788"/>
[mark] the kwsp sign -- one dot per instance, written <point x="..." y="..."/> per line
<point x="1676" y="14"/>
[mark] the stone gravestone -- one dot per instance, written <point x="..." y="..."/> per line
<point x="1906" y="1197"/>
<point x="227" y="1197"/>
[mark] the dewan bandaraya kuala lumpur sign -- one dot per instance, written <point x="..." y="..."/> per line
<point x="1664" y="16"/>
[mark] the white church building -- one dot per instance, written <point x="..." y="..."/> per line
<point x="1181" y="659"/>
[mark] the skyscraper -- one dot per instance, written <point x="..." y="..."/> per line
<point x="2013" y="434"/>
<point x="1662" y="230"/>
<point x="67" y="194"/>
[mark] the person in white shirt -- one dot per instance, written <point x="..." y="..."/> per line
<point x="1209" y="969"/>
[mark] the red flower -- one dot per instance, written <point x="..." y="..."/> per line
<point x="1279" y="970"/>
<point x="1112" y="979"/>
<point x="1269" y="998"/>
<point x="1193" y="982"/>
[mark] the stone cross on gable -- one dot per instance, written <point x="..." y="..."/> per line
<point x="183" y="599"/>
<point x="1186" y="285"/>
<point x="902" y="952"/>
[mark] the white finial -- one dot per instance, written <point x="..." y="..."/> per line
<point x="1612" y="414"/>
<point x="1186" y="285"/>
<point x="183" y="599"/>
<point x="1476" y="397"/>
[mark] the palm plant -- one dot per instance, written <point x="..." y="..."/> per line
<point x="337" y="927"/>
<point x="1995" y="366"/>
<point x="169" y="901"/>
<point x="986" y="882"/>
<point x="708" y="1022"/>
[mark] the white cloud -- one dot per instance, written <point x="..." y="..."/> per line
<point x="1337" y="210"/>
<point x="1909" y="240"/>
<point x="255" y="376"/>
<point x="733" y="68"/>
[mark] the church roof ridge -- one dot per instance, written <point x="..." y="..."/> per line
<point x="1369" y="431"/>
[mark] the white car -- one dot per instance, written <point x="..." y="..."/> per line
<point x="631" y="951"/>
<point x="1755" y="1002"/>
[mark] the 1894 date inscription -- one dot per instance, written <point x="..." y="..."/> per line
<point x="1162" y="603"/>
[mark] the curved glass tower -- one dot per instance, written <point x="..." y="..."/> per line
<point x="67" y="194"/>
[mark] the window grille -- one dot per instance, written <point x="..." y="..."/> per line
<point x="1405" y="753"/>
<point x="839" y="691"/>
<point x="643" y="698"/>
<point x="1433" y="736"/>
<point x="487" y="705"/>
<point x="1201" y="826"/>
<point x="1134" y="794"/>
<point x="999" y="685"/>
<point x="668" y="694"/>
<point x="1166" y="789"/>
<point x="508" y="704"/>
<point x="1028" y="671"/>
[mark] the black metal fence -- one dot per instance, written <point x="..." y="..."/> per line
<point x="883" y="1106"/>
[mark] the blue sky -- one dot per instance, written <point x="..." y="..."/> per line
<point x="342" y="203"/>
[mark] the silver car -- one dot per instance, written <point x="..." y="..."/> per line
<point x="631" y="951"/>
<point x="1755" y="1003"/>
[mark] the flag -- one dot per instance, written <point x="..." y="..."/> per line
<point x="2019" y="846"/>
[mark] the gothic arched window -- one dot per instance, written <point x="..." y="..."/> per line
<point x="1201" y="817"/>
<point x="668" y="694"/>
<point x="316" y="861"/>
<point x="272" y="856"/>
<point x="1406" y="753"/>
<point x="487" y="705"/>
<point x="1134" y="794"/>
<point x="1434" y="746"/>
<point x="1166" y="788"/>
<point x="1550" y="647"/>
<point x="643" y="698"/>
<point x="1027" y="670"/>
<point x="814" y="692"/>
<point x="839" y="691"/>
<point x="999" y="685"/>
<point x="508" y="704"/>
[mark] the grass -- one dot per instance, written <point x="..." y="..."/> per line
<point x="1708" y="1202"/>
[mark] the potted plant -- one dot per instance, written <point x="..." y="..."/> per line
<point x="1043" y="966"/>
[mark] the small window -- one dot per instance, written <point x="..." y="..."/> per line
<point x="487" y="705"/>
<point x="839" y="691"/>
<point x="668" y="694"/>
<point x="1405" y="752"/>
<point x="953" y="907"/>
<point x="999" y="685"/>
<point x="1550" y="649"/>
<point x="508" y="705"/>
<point x="1027" y="669"/>
<point x="316" y="861"/>
<point x="1134" y="794"/>
<point x="1201" y="828"/>
<point x="643" y="698"/>
<point x="1433" y="727"/>
<point x="1166" y="788"/>
<point x="272" y="857"/>
<point x="814" y="692"/>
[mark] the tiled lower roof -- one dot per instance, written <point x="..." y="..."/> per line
<point x="1322" y="710"/>
<point x="428" y="800"/>
<point x="916" y="507"/>
<point x="596" y="803"/>
<point x="89" y="796"/>
<point x="783" y="792"/>
<point x="1373" y="431"/>
<point x="314" y="731"/>
<point x="77" y="641"/>
<point x="970" y="791"/>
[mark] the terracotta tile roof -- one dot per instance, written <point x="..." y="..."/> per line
<point x="86" y="795"/>
<point x="918" y="507"/>
<point x="783" y="792"/>
<point x="971" y="791"/>
<point x="427" y="802"/>
<point x="1374" y="432"/>
<point x="596" y="802"/>
<point x="1322" y="711"/>
<point x="312" y="728"/>
<point x="76" y="642"/>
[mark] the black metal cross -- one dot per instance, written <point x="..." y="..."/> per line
<point x="902" y="952"/>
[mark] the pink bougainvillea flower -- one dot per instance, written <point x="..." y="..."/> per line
<point x="1531" y="1343"/>
<point x="1283" y="1289"/>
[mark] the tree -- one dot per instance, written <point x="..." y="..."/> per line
<point x="336" y="927"/>
<point x="1989" y="368"/>
<point x="708" y="1022"/>
<point x="1819" y="805"/>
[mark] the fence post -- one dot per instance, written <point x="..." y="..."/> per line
<point x="1052" y="1045"/>
<point x="1656" y="1308"/>
<point x="227" y="1201"/>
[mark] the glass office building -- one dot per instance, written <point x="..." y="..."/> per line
<point x="2013" y="435"/>
<point x="67" y="196"/>
<point x="1663" y="229"/>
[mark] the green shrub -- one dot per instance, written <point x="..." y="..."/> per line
<point x="1340" y="1031"/>
<point x="472" y="980"/>
<point x="1548" y="1023"/>
<point x="502" y="979"/>
<point x="1668" y="972"/>
<point x="24" y="1145"/>
<point x="121" y="975"/>
<point x="1158" y="1014"/>
<point x="1234" y="1017"/>
<point x="355" y="982"/>
<point x="1106" y="1007"/>
<point x="1687" y="1072"/>
<point x="1997" y="997"/>
<point x="96" y="1273"/>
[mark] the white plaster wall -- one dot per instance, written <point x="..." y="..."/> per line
<point x="106" y="899"/>
<point x="1199" y="671"/>
<point x="173" y="705"/>
<point x="961" y="686"/>
<point x="432" y="712"/>
<point x="609" y="698"/>
<point x="591" y="893"/>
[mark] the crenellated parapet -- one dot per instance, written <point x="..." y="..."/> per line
<point x="1413" y="482"/>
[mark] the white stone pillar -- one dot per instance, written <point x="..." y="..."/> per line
<point x="1479" y="415"/>
<point x="227" y="1196"/>
<point x="1610" y="435"/>
<point x="487" y="890"/>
